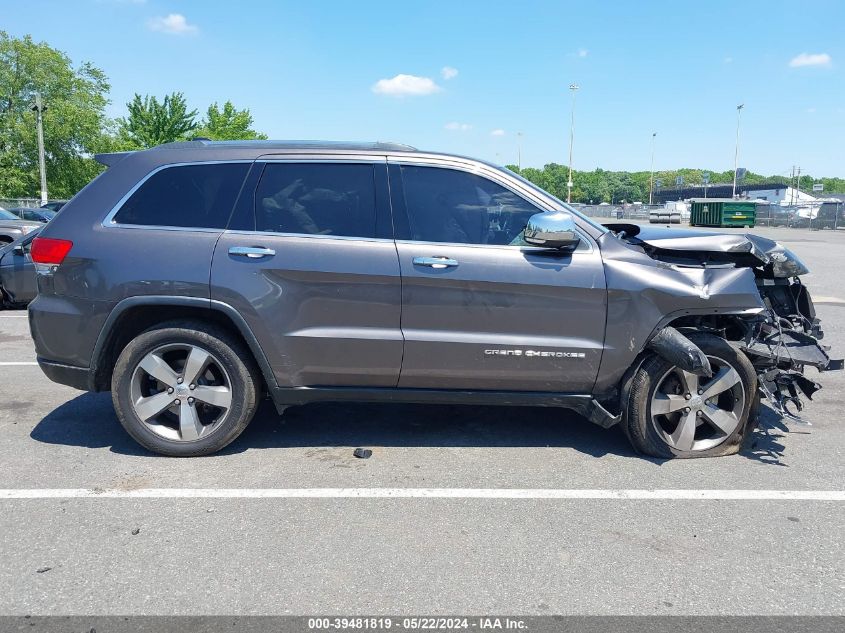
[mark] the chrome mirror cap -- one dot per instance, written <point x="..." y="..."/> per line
<point x="552" y="229"/>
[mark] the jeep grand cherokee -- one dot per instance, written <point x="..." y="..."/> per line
<point x="194" y="278"/>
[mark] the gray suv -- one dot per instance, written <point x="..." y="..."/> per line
<point x="195" y="278"/>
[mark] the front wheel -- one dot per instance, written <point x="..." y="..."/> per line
<point x="184" y="389"/>
<point x="674" y="413"/>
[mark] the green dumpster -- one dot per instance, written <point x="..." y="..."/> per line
<point x="722" y="212"/>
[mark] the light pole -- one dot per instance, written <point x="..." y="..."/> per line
<point x="519" y="150"/>
<point x="736" y="150"/>
<point x="574" y="89"/>
<point x="651" y="178"/>
<point x="38" y="107"/>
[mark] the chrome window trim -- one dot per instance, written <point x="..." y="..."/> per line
<point x="347" y="238"/>
<point x="588" y="249"/>
<point x="499" y="178"/>
<point x="108" y="221"/>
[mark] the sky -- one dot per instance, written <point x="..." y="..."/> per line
<point x="488" y="78"/>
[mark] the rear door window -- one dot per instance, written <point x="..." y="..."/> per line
<point x="317" y="199"/>
<point x="188" y="196"/>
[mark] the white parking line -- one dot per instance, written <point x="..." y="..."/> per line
<point x="28" y="363"/>
<point x="422" y="493"/>
<point x="14" y="316"/>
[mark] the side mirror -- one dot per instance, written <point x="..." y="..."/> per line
<point x="552" y="229"/>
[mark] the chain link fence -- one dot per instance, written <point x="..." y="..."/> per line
<point x="12" y="203"/>
<point x="813" y="216"/>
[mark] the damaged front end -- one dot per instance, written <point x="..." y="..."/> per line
<point x="785" y="339"/>
<point x="782" y="339"/>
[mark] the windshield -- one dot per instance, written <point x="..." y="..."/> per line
<point x="599" y="227"/>
<point x="7" y="215"/>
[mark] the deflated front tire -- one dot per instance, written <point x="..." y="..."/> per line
<point x="674" y="413"/>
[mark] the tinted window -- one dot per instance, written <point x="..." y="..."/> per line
<point x="316" y="199"/>
<point x="445" y="205"/>
<point x="200" y="196"/>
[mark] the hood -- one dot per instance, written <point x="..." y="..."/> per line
<point x="743" y="249"/>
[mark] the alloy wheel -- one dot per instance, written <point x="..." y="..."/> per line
<point x="692" y="413"/>
<point x="181" y="392"/>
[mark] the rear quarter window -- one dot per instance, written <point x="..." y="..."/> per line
<point x="186" y="196"/>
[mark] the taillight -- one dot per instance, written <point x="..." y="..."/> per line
<point x="46" y="250"/>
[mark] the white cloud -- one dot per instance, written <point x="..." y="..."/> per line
<point x="810" y="59"/>
<point x="497" y="132"/>
<point x="406" y="85"/>
<point x="582" y="52"/>
<point x="447" y="72"/>
<point x="172" y="24"/>
<point x="460" y="127"/>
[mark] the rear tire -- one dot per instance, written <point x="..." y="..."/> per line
<point x="185" y="389"/>
<point x="671" y="414"/>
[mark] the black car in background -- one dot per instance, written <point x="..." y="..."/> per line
<point x="41" y="214"/>
<point x="17" y="272"/>
<point x="54" y="206"/>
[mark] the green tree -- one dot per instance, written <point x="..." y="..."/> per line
<point x="75" y="125"/>
<point x="228" y="124"/>
<point x="152" y="123"/>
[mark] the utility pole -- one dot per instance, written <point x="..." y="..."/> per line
<point x="573" y="88"/>
<point x="519" y="150"/>
<point x="38" y="107"/>
<point x="792" y="182"/>
<point x="736" y="151"/>
<point x="651" y="178"/>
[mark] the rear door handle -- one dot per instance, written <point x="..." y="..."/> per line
<point x="435" y="262"/>
<point x="253" y="252"/>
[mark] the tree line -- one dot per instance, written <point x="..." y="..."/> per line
<point x="75" y="121"/>
<point x="616" y="187"/>
<point x="77" y="127"/>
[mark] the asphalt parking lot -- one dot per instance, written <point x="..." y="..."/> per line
<point x="472" y="553"/>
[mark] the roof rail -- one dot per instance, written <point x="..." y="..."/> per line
<point x="268" y="144"/>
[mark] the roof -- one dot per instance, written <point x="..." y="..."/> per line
<point x="112" y="158"/>
<point x="287" y="145"/>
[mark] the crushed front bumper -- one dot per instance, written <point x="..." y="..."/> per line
<point x="781" y="343"/>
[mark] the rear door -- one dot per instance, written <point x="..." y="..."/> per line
<point x="309" y="261"/>
<point x="480" y="309"/>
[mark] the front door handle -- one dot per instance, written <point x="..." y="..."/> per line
<point x="253" y="252"/>
<point x="435" y="262"/>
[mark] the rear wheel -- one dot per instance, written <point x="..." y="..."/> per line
<point x="184" y="389"/>
<point x="674" y="413"/>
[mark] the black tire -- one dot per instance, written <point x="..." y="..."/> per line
<point x="234" y="358"/>
<point x="638" y="425"/>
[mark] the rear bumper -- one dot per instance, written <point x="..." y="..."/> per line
<point x="76" y="377"/>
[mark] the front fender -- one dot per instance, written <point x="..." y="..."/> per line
<point x="644" y="294"/>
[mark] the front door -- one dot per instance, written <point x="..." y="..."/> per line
<point x="311" y="264"/>
<point x="481" y="310"/>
